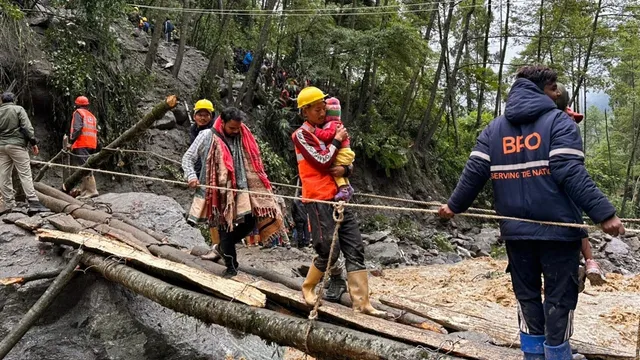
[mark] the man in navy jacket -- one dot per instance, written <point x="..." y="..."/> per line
<point x="533" y="155"/>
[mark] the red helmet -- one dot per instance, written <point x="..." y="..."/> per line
<point x="82" y="101"/>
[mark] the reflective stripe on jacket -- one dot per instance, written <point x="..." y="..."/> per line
<point x="314" y="160"/>
<point x="88" y="137"/>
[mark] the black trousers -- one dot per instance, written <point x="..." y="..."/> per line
<point x="557" y="262"/>
<point x="80" y="156"/>
<point x="229" y="239"/>
<point x="349" y="238"/>
<point x="302" y="234"/>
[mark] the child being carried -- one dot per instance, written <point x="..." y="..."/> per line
<point x="345" y="154"/>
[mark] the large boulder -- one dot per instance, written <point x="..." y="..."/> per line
<point x="483" y="241"/>
<point x="384" y="253"/>
<point x="155" y="212"/>
<point x="167" y="122"/>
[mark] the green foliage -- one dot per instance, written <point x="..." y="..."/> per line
<point x="8" y="8"/>
<point x="89" y="63"/>
<point x="380" y="144"/>
<point x="376" y="222"/>
<point x="275" y="165"/>
<point x="498" y="251"/>
<point x="442" y="243"/>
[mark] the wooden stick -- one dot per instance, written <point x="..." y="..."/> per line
<point x="31" y="277"/>
<point x="322" y="340"/>
<point x="47" y="167"/>
<point x="132" y="133"/>
<point x="39" y="307"/>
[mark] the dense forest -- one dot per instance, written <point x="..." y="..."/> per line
<point x="417" y="79"/>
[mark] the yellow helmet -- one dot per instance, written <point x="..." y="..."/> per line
<point x="203" y="104"/>
<point x="309" y="95"/>
<point x="136" y="9"/>
<point x="144" y="19"/>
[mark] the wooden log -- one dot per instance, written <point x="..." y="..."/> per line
<point x="31" y="277"/>
<point x="123" y="236"/>
<point x="39" y="307"/>
<point x="132" y="133"/>
<point x="397" y="315"/>
<point x="338" y="313"/>
<point x="48" y="166"/>
<point x="55" y="193"/>
<point x="97" y="216"/>
<point x="322" y="341"/>
<point x="156" y="235"/>
<point x="226" y="288"/>
<point x="66" y="159"/>
<point x="64" y="222"/>
<point x="502" y="334"/>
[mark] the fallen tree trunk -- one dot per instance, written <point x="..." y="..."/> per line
<point x="31" y="277"/>
<point x="293" y="299"/>
<point x="55" y="193"/>
<point x="321" y="340"/>
<point x="502" y="334"/>
<point x="226" y="288"/>
<point x="39" y="307"/>
<point x="96" y="216"/>
<point x="48" y="166"/>
<point x="400" y="316"/>
<point x="141" y="126"/>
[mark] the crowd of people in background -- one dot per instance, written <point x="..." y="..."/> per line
<point x="141" y="22"/>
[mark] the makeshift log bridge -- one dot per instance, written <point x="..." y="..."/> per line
<point x="146" y="263"/>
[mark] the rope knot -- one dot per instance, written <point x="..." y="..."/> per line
<point x="338" y="212"/>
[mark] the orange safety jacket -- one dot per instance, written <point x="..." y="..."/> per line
<point x="88" y="134"/>
<point x="314" y="160"/>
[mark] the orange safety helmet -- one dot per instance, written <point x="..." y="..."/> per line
<point x="82" y="101"/>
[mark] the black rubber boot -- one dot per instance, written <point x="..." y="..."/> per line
<point x="336" y="286"/>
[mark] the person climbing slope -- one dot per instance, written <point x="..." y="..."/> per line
<point x="533" y="155"/>
<point x="345" y="155"/>
<point x="231" y="160"/>
<point x="593" y="271"/>
<point x="315" y="159"/>
<point x="83" y="141"/>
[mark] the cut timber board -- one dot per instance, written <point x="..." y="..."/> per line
<point x="404" y="333"/>
<point x="227" y="288"/>
<point x="501" y="333"/>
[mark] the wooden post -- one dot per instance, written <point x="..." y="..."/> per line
<point x="66" y="158"/>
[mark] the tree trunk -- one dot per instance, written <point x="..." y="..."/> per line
<point x="411" y="88"/>
<point x="606" y="130"/>
<point x="631" y="160"/>
<point x="444" y="40"/>
<point x="155" y="40"/>
<point x="469" y="74"/>
<point x="540" y="31"/>
<point x="485" y="54"/>
<point x="503" y="52"/>
<point x="132" y="133"/>
<point x="454" y="74"/>
<point x="183" y="38"/>
<point x="584" y="120"/>
<point x="581" y="79"/>
<point x="245" y="98"/>
<point x="269" y="325"/>
<point x="40" y="306"/>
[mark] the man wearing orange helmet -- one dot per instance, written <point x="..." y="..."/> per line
<point x="83" y="141"/>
